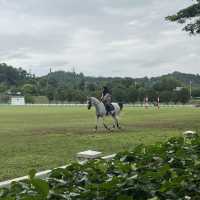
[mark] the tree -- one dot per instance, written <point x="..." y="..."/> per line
<point x="79" y="96"/>
<point x="166" y="83"/>
<point x="165" y="96"/>
<point x="196" y="92"/>
<point x="49" y="92"/>
<point x="175" y="97"/>
<point x="152" y="95"/>
<point x="29" y="99"/>
<point x="120" y="94"/>
<point x="91" y="87"/>
<point x="61" y="94"/>
<point x="132" y="94"/>
<point x="29" y="89"/>
<point x="69" y="93"/>
<point x="184" y="95"/>
<point x="191" y="13"/>
<point x="3" y="88"/>
<point x="141" y="94"/>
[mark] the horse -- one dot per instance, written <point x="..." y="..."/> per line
<point x="101" y="112"/>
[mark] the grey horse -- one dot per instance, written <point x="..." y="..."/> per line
<point x="101" y="111"/>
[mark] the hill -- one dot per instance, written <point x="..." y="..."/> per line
<point x="61" y="86"/>
<point x="185" y="78"/>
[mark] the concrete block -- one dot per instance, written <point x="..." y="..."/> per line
<point x="89" y="154"/>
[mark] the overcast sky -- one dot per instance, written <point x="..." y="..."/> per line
<point x="97" y="37"/>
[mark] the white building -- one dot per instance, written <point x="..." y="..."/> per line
<point x="177" y="89"/>
<point x="17" y="100"/>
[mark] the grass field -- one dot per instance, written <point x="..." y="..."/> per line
<point x="46" y="137"/>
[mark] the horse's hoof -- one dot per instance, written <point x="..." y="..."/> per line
<point x="108" y="129"/>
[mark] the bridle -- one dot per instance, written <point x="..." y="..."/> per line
<point x="89" y="104"/>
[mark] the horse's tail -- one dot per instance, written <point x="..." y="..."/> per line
<point x="121" y="105"/>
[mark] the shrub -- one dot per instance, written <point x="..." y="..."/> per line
<point x="169" y="170"/>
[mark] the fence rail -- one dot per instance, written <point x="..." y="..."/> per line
<point x="43" y="174"/>
<point x="84" y="105"/>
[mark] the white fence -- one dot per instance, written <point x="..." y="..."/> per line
<point x="160" y="105"/>
<point x="68" y="105"/>
<point x="125" y="105"/>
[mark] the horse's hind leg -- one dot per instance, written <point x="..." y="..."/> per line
<point x="106" y="127"/>
<point x="118" y="126"/>
<point x="116" y="122"/>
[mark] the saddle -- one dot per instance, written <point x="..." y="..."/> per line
<point x="109" y="108"/>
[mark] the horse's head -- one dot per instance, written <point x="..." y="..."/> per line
<point x="92" y="101"/>
<point x="89" y="103"/>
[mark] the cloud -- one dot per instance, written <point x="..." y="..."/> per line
<point x="96" y="37"/>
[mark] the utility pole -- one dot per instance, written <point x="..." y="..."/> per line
<point x="190" y="89"/>
<point x="48" y="78"/>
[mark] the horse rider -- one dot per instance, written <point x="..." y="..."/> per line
<point x="106" y="98"/>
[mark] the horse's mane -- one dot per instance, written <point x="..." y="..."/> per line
<point x="95" y="99"/>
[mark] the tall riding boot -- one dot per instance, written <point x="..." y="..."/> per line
<point x="107" y="110"/>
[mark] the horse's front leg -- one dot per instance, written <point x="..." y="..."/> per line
<point x="97" y="122"/>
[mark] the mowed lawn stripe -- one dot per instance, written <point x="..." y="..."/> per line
<point x="46" y="137"/>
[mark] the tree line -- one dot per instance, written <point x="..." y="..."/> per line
<point x="61" y="86"/>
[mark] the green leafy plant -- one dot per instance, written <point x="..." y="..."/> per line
<point x="169" y="170"/>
